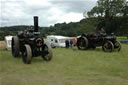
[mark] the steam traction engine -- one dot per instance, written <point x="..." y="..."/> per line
<point x="92" y="40"/>
<point x="29" y="44"/>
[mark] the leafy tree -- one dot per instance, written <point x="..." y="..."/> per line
<point x="125" y="9"/>
<point x="107" y="10"/>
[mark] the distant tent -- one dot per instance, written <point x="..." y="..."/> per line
<point x="8" y="40"/>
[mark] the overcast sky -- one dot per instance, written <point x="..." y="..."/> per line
<point x="50" y="12"/>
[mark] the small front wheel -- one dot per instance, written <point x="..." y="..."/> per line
<point x="27" y="54"/>
<point x="108" y="46"/>
<point x="47" y="52"/>
<point x="117" y="45"/>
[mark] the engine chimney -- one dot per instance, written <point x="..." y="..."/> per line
<point x="36" y="23"/>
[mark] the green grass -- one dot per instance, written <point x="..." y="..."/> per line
<point x="122" y="38"/>
<point x="68" y="67"/>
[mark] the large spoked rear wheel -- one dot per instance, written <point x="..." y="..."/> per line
<point x="15" y="46"/>
<point x="47" y="52"/>
<point x="117" y="45"/>
<point x="27" y="54"/>
<point x="108" y="46"/>
<point x="82" y="43"/>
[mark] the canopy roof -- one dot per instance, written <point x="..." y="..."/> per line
<point x="57" y="37"/>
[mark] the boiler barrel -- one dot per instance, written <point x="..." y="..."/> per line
<point x="36" y="23"/>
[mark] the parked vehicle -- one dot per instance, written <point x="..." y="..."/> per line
<point x="58" y="41"/>
<point x="50" y="43"/>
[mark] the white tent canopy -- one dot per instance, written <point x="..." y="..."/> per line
<point x="8" y="40"/>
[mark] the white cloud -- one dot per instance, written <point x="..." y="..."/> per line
<point x="37" y="2"/>
<point x="21" y="12"/>
<point x="70" y="17"/>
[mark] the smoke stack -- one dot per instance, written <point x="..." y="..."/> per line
<point x="36" y="23"/>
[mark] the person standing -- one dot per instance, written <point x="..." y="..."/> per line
<point x="71" y="44"/>
<point x="67" y="43"/>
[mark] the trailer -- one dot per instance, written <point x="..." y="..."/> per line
<point x="56" y="40"/>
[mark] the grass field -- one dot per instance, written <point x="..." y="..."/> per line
<point x="121" y="38"/>
<point x="68" y="67"/>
